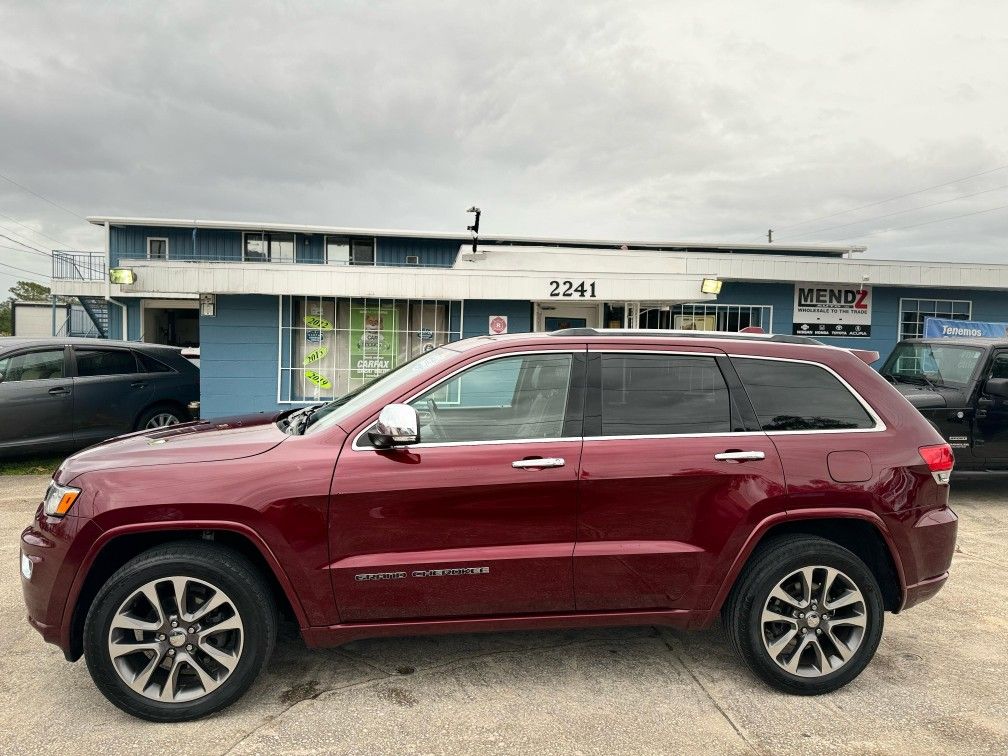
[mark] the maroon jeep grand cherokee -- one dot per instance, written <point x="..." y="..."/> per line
<point x="570" y="479"/>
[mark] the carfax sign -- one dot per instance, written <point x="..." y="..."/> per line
<point x="832" y="310"/>
<point x="374" y="341"/>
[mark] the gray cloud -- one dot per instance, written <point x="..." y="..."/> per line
<point x="638" y="120"/>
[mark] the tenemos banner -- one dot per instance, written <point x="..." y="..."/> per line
<point x="939" y="328"/>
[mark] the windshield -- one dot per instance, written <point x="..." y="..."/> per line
<point x="335" y="411"/>
<point x="940" y="364"/>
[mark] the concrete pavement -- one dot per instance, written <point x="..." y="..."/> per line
<point x="937" y="684"/>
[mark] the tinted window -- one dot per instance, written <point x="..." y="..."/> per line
<point x="797" y="396"/>
<point x="655" y="394"/>
<point x="150" y="365"/>
<point x="999" y="366"/>
<point x="91" y="362"/>
<point x="32" y="366"/>
<point x="501" y="400"/>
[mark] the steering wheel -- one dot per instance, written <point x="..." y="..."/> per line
<point x="434" y="426"/>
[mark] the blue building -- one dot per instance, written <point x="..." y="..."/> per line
<point x="286" y="314"/>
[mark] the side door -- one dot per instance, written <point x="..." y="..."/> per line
<point x="36" y="402"/>
<point x="990" y="439"/>
<point x="109" y="392"/>
<point x="672" y="472"/>
<point x="479" y="518"/>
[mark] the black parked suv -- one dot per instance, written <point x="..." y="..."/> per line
<point x="61" y="394"/>
<point x="961" y="386"/>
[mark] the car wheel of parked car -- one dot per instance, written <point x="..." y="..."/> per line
<point x="159" y="417"/>
<point x="806" y="615"/>
<point x="180" y="631"/>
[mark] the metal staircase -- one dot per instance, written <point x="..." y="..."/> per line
<point x="97" y="311"/>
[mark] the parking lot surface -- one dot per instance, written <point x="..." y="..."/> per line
<point x="937" y="684"/>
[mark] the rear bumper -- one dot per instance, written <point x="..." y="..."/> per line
<point x="931" y="542"/>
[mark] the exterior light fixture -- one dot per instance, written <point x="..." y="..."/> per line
<point x="208" y="305"/>
<point x="122" y="276"/>
<point x="711" y="286"/>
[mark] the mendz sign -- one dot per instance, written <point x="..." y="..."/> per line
<point x="832" y="310"/>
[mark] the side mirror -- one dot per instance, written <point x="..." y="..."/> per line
<point x="997" y="387"/>
<point x="398" y="425"/>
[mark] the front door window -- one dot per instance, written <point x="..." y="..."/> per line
<point x="506" y="399"/>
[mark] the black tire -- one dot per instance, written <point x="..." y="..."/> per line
<point x="772" y="563"/>
<point x="221" y="567"/>
<point x="159" y="409"/>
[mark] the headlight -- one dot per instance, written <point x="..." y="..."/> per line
<point x="59" y="499"/>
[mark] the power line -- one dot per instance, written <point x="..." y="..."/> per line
<point x="44" y="199"/>
<point x="928" y="223"/>
<point x="22" y="270"/>
<point x="35" y="231"/>
<point x="890" y="199"/>
<point x="26" y="246"/>
<point x="902" y="212"/>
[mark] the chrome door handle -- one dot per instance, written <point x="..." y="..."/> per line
<point x="524" y="464"/>
<point x="739" y="456"/>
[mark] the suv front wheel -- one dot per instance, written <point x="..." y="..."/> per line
<point x="180" y="631"/>
<point x="806" y="615"/>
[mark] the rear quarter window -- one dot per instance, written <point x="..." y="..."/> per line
<point x="790" y="396"/>
<point x="152" y="364"/>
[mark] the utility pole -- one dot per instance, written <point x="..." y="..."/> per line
<point x="769" y="236"/>
<point x="475" y="225"/>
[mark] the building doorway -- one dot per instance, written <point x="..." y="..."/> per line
<point x="174" y="322"/>
<point x="555" y="316"/>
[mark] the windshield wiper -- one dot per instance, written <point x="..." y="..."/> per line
<point x="919" y="379"/>
<point x="297" y="421"/>
<point x="304" y="419"/>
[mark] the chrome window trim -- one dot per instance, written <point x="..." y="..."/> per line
<point x="355" y="446"/>
<point x="879" y="424"/>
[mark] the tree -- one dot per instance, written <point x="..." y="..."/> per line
<point x="29" y="291"/>
<point x="5" y="318"/>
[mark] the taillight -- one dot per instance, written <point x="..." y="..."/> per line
<point x="939" y="459"/>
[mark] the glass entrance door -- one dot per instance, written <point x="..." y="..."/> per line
<point x="556" y="316"/>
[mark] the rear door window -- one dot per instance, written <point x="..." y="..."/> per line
<point x="659" y="394"/>
<point x="790" y="396"/>
<point x="32" y="366"/>
<point x="95" y="362"/>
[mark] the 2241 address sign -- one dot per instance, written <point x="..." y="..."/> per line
<point x="579" y="289"/>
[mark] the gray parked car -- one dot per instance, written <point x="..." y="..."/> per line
<point x="61" y="394"/>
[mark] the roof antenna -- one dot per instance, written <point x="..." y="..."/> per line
<point x="769" y="236"/>
<point x="475" y="226"/>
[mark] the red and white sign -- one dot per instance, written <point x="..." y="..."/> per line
<point x="498" y="324"/>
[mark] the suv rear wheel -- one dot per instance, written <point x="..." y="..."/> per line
<point x="180" y="631"/>
<point x="806" y="615"/>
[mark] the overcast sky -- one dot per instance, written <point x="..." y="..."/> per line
<point x="663" y="120"/>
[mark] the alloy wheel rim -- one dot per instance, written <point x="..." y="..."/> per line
<point x="162" y="419"/>
<point x="176" y="639"/>
<point x="813" y="621"/>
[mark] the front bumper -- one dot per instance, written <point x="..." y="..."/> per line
<point x="55" y="547"/>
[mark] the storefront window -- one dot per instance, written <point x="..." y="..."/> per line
<point x="330" y="346"/>
<point x="913" y="312"/>
<point x="703" y="317"/>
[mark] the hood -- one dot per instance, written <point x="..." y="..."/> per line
<point x="921" y="397"/>
<point x="202" y="441"/>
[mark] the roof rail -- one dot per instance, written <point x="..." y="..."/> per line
<point x="779" y="338"/>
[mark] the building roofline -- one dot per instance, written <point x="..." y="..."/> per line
<point x="831" y="250"/>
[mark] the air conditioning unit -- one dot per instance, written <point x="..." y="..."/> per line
<point x="412" y="259"/>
